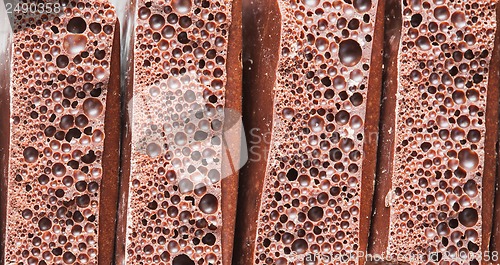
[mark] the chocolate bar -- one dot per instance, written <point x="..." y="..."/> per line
<point x="444" y="104"/>
<point x="179" y="179"/>
<point x="321" y="109"/>
<point x="60" y="159"/>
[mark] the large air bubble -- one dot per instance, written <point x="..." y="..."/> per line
<point x="350" y="52"/>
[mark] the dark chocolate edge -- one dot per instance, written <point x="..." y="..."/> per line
<point x="378" y="241"/>
<point x="261" y="35"/>
<point x="111" y="158"/>
<point x="494" y="85"/>
<point x="371" y="131"/>
<point x="4" y="141"/>
<point x="127" y="82"/>
<point x="489" y="175"/>
<point x="233" y="101"/>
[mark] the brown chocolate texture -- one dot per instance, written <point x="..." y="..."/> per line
<point x="380" y="219"/>
<point x="260" y="61"/>
<point x="179" y="206"/>
<point x="111" y="159"/>
<point x="261" y="35"/>
<point x="493" y="85"/>
<point x="233" y="102"/>
<point x="439" y="176"/>
<point x="63" y="138"/>
<point x="420" y="208"/>
<point x="311" y="196"/>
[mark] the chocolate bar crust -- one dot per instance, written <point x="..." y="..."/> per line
<point x="261" y="34"/>
<point x="491" y="154"/>
<point x="493" y="85"/>
<point x="233" y="102"/>
<point x="380" y="219"/>
<point x="111" y="157"/>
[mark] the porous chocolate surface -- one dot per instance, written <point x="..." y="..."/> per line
<point x="439" y="166"/>
<point x="310" y="202"/>
<point x="175" y="113"/>
<point x="62" y="92"/>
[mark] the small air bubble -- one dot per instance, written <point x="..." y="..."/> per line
<point x="144" y="13"/>
<point x="311" y="3"/>
<point x="180" y="139"/>
<point x="74" y="44"/>
<point x="322" y="44"/>
<point x="27" y="214"/>
<point x="468" y="159"/>
<point x="62" y="61"/>
<point x="458" y="19"/>
<point x="316" y="124"/>
<point x="362" y="5"/>
<point x="300" y="246"/>
<point x="441" y="13"/>
<point x="315" y="214"/>
<point x="44" y="224"/>
<point x="288" y="113"/>
<point x="69" y="258"/>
